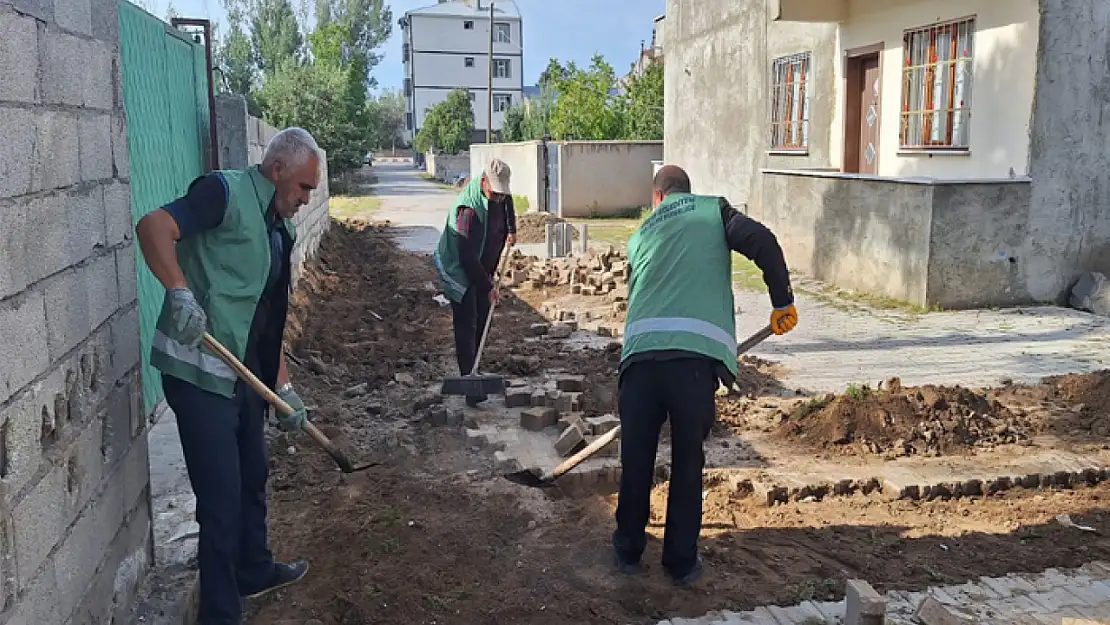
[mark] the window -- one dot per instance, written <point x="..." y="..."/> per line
<point x="468" y="25"/>
<point x="501" y="32"/>
<point x="468" y="61"/>
<point x="936" y="86"/>
<point x="405" y="52"/>
<point x="408" y="86"/>
<point x="408" y="121"/>
<point x="502" y="102"/>
<point x="470" y="94"/>
<point x="790" y="102"/>
<point x="501" y="68"/>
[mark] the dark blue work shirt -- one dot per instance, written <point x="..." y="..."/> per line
<point x="203" y="208"/>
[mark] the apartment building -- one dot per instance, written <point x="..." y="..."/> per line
<point x="446" y="47"/>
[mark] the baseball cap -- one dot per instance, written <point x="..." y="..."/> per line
<point x="497" y="173"/>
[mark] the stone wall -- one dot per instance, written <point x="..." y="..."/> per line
<point x="74" y="501"/>
<point x="447" y="167"/>
<point x="242" y="141"/>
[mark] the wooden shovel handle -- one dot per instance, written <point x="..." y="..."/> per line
<point x="588" y="451"/>
<point x="278" y="403"/>
<point x="492" y="307"/>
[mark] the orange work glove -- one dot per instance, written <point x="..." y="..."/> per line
<point x="783" y="320"/>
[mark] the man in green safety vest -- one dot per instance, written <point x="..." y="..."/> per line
<point x="222" y="251"/>
<point x="481" y="222"/>
<point x="679" y="345"/>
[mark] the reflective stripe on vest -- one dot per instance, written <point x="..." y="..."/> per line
<point x="681" y="324"/>
<point x="192" y="356"/>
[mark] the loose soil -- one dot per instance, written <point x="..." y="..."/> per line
<point x="433" y="535"/>
<point x="532" y="227"/>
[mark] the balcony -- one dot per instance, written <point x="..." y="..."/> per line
<point x="810" y="10"/>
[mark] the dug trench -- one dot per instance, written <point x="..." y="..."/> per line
<point x="434" y="535"/>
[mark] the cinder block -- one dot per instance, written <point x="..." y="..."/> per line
<point x="518" y="397"/>
<point x="105" y="14"/>
<point x="95" y="145"/>
<point x="117" y="212"/>
<point x="23" y="342"/>
<point x="39" y="9"/>
<point x="116" y="424"/>
<point x="120" y="158"/>
<point x="62" y="234"/>
<point x="38" y="604"/>
<point x="864" y="605"/>
<point x="536" y="419"/>
<point x="110" y="597"/>
<point x="78" y="301"/>
<point x="17" y="126"/>
<point x="134" y="472"/>
<point x="57" y="159"/>
<point x="19" y="48"/>
<point x="76" y="71"/>
<point x="84" y="467"/>
<point x="571" y="383"/>
<point x="74" y="15"/>
<point x="38" y="521"/>
<point x="571" y="440"/>
<point x="573" y="418"/>
<point x="126" y="276"/>
<point x="601" y="425"/>
<point x="126" y="348"/>
<point x="539" y="398"/>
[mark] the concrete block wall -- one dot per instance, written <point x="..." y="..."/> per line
<point x="605" y="178"/>
<point x="447" y="167"/>
<point x="525" y="160"/>
<point x="75" y="521"/>
<point x="242" y="143"/>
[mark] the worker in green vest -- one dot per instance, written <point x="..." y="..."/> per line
<point x="679" y="345"/>
<point x="222" y="251"/>
<point x="481" y="223"/>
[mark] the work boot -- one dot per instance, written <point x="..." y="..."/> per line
<point x="284" y="575"/>
<point x="689" y="577"/>
<point x="627" y="568"/>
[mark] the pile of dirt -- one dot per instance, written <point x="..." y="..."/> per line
<point x="1085" y="399"/>
<point x="531" y="227"/>
<point x="904" y="421"/>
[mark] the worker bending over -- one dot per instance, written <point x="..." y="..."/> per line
<point x="480" y="224"/>
<point x="223" y="254"/>
<point x="679" y="344"/>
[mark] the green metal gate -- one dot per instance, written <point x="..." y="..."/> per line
<point x="166" y="102"/>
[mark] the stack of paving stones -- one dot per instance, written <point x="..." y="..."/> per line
<point x="561" y="407"/>
<point x="1064" y="597"/>
<point x="595" y="273"/>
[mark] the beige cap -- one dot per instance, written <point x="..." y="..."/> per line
<point x="497" y="173"/>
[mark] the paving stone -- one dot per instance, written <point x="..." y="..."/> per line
<point x="518" y="397"/>
<point x="1055" y="599"/>
<point x="571" y="383"/>
<point x="601" y="425"/>
<point x="796" y="615"/>
<point x="536" y="419"/>
<point x="570" y="441"/>
<point x="572" y="418"/>
<point x="933" y="612"/>
<point x="539" y="398"/>
<point x="1090" y="592"/>
<point x="833" y="611"/>
<point x="1008" y="586"/>
<point x="863" y="604"/>
<point x="612" y="450"/>
<point x="559" y="331"/>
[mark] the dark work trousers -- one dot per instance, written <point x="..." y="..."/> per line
<point x="650" y="392"/>
<point x="224" y="444"/>
<point x="469" y="320"/>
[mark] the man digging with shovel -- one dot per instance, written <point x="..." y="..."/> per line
<point x="223" y="253"/>
<point x="679" y="344"/>
<point x="480" y="224"/>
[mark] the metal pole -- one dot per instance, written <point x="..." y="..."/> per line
<point x="207" y="26"/>
<point x="489" y="91"/>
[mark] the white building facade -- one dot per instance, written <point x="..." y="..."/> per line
<point x="446" y="47"/>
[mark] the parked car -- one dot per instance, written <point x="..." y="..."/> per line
<point x="369" y="160"/>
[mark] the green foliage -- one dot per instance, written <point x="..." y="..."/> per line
<point x="448" y="125"/>
<point x="576" y="103"/>
<point x="318" y="79"/>
<point x="386" y="118"/>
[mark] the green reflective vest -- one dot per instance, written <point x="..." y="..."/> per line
<point x="226" y="268"/>
<point x="680" y="289"/>
<point x="452" y="276"/>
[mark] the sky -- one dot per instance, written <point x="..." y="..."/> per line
<point x="551" y="29"/>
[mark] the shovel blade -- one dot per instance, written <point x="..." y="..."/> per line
<point x="474" y="385"/>
<point x="530" y="478"/>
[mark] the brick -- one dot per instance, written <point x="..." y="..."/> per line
<point x="117" y="212"/>
<point x="571" y="383"/>
<point x="75" y="71"/>
<point x="95" y="146"/>
<point x="126" y="277"/>
<point x="121" y="160"/>
<point x="78" y="301"/>
<point x="23" y="342"/>
<point x="604" y="423"/>
<point x="518" y="397"/>
<point x="17" y="126"/>
<point x="571" y="440"/>
<point x="864" y="606"/>
<point x="38" y="521"/>
<point x="74" y="15"/>
<point x="536" y="419"/>
<point x="57" y="154"/>
<point x="19" y="49"/>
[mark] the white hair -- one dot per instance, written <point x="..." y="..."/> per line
<point x="292" y="146"/>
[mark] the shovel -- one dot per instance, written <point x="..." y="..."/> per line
<point x="245" y="374"/>
<point x="474" y="385"/>
<point x="534" y="479"/>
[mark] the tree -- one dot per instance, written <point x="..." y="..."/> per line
<point x="643" y="115"/>
<point x="448" y="125"/>
<point x="387" y="118"/>
<point x="584" y="108"/>
<point x="275" y="34"/>
<point x="235" y="55"/>
<point x="512" y="129"/>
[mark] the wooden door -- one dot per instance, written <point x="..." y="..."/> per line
<point x="869" y="115"/>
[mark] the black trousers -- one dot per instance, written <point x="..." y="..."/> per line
<point x="469" y="320"/>
<point x="651" y="391"/>
<point x="224" y="444"/>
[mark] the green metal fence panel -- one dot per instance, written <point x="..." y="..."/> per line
<point x="164" y="140"/>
